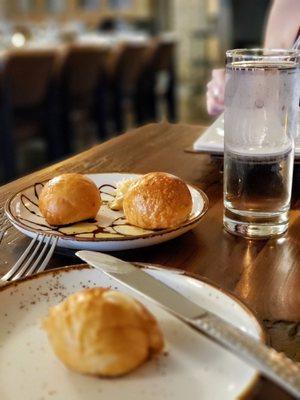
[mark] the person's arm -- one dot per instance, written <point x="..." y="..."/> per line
<point x="282" y="27"/>
<point x="215" y="92"/>
<point x="283" y="24"/>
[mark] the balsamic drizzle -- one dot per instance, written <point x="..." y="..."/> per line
<point x="22" y="197"/>
<point x="52" y="228"/>
<point x="36" y="185"/>
<point x="100" y="188"/>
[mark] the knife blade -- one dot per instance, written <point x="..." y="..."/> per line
<point x="133" y="277"/>
<point x="268" y="361"/>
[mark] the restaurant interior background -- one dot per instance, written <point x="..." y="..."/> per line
<point x="74" y="72"/>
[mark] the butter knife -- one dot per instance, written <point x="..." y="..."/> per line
<point x="272" y="364"/>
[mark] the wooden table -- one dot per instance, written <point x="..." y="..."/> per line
<point x="264" y="274"/>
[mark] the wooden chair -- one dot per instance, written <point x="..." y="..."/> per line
<point x="124" y="68"/>
<point x="160" y="58"/>
<point x="27" y="95"/>
<point x="83" y="87"/>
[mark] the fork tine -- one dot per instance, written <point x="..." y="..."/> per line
<point x="4" y="226"/>
<point x="18" y="264"/>
<point x="26" y="264"/>
<point x="34" y="265"/>
<point x="49" y="255"/>
<point x="2" y="218"/>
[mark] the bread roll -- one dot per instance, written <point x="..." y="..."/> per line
<point x="69" y="198"/>
<point x="156" y="201"/>
<point x="102" y="332"/>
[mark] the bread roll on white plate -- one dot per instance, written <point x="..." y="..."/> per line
<point x="157" y="201"/>
<point x="69" y="198"/>
<point x="102" y="332"/>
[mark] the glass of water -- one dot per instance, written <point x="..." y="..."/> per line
<point x="261" y="106"/>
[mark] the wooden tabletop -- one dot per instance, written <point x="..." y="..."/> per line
<point x="264" y="274"/>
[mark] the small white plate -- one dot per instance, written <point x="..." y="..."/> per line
<point x="109" y="232"/>
<point x="193" y="367"/>
<point x="212" y="140"/>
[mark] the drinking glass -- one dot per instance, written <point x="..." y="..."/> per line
<point x="261" y="105"/>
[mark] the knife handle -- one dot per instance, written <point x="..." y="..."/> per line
<point x="274" y="365"/>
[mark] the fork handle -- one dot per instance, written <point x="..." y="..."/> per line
<point x="274" y="365"/>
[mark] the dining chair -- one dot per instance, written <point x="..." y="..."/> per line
<point x="28" y="99"/>
<point x="124" y="68"/>
<point x="83" y="88"/>
<point x="157" y="81"/>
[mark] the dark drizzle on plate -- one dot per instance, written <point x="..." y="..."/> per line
<point x="23" y="197"/>
<point x="100" y="188"/>
<point x="36" y="187"/>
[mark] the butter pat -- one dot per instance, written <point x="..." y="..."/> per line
<point x="122" y="188"/>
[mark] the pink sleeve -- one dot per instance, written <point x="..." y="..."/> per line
<point x="283" y="24"/>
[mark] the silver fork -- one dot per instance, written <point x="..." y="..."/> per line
<point x="4" y="226"/>
<point x="34" y="259"/>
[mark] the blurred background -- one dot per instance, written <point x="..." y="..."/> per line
<point x="77" y="72"/>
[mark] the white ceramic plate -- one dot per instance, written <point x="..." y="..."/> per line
<point x="109" y="231"/>
<point x="192" y="367"/>
<point x="212" y="140"/>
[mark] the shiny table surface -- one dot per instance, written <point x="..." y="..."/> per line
<point x="263" y="274"/>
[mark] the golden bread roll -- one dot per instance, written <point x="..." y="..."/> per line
<point x="69" y="198"/>
<point x="102" y="332"/>
<point x="156" y="201"/>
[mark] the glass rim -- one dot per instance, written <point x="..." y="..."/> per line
<point x="255" y="53"/>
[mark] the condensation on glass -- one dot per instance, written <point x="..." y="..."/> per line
<point x="261" y="111"/>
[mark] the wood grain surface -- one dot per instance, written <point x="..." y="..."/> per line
<point x="264" y="274"/>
